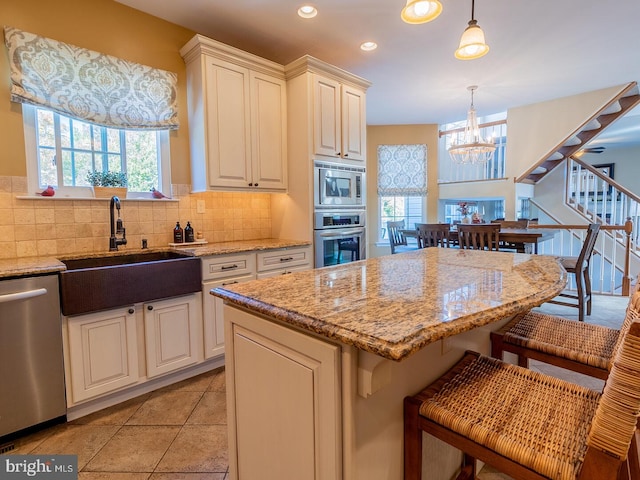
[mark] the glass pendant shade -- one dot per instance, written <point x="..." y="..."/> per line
<point x="421" y="11"/>
<point x="472" y="44"/>
<point x="471" y="148"/>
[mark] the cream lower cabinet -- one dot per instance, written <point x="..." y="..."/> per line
<point x="282" y="385"/>
<point x="102" y="353"/>
<point x="281" y="262"/>
<point x="219" y="270"/>
<point x="173" y="334"/>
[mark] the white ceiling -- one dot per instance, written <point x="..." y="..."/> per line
<point x="540" y="49"/>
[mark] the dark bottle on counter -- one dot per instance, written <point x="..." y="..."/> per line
<point x="188" y="233"/>
<point x="178" y="234"/>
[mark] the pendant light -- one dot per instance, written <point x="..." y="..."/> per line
<point x="421" y="11"/>
<point x="471" y="148"/>
<point x="472" y="44"/>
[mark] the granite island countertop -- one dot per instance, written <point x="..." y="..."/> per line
<point x="393" y="306"/>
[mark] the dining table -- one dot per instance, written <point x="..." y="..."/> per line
<point x="523" y="240"/>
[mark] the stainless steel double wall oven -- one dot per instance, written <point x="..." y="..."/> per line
<point x="339" y="214"/>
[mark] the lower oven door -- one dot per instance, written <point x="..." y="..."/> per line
<point x="337" y="246"/>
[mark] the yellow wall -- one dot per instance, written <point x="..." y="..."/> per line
<point x="105" y="26"/>
<point x="57" y="227"/>
<point x="397" y="135"/>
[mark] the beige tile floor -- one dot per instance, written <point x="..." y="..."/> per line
<point x="180" y="432"/>
<point x="177" y="432"/>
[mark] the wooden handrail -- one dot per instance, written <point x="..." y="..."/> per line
<point x="627" y="228"/>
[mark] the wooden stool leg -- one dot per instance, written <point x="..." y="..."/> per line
<point x="496" y="346"/>
<point x="412" y="440"/>
<point x="468" y="471"/>
<point x="587" y="284"/>
<point x="581" y="297"/>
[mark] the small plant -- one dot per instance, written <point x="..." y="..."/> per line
<point x="107" y="179"/>
<point x="463" y="208"/>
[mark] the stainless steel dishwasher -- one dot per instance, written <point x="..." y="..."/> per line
<point x="31" y="359"/>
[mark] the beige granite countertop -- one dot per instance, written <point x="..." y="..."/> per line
<point x="394" y="305"/>
<point x="20" y="267"/>
<point x="241" y="246"/>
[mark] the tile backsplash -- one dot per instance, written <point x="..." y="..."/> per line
<point x="57" y="227"/>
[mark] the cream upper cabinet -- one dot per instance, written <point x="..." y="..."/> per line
<point x="237" y="107"/>
<point x="339" y="119"/>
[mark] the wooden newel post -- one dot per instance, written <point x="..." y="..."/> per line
<point x="626" y="278"/>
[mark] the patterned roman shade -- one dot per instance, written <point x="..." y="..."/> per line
<point x="89" y="85"/>
<point x="402" y="170"/>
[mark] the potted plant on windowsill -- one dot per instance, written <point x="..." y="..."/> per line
<point x="108" y="184"/>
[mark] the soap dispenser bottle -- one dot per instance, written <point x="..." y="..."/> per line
<point x="188" y="233"/>
<point x="178" y="234"/>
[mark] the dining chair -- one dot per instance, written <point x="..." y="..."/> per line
<point x="577" y="346"/>
<point x="397" y="240"/>
<point x="479" y="236"/>
<point x="520" y="224"/>
<point x="579" y="267"/>
<point x="531" y="426"/>
<point x="433" y="234"/>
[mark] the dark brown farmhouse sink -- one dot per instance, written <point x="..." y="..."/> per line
<point x="99" y="283"/>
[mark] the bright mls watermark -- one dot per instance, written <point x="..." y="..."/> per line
<point x="46" y="467"/>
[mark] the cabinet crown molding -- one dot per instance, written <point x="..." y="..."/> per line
<point x="307" y="63"/>
<point x="200" y="44"/>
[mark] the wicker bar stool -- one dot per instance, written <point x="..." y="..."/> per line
<point x="530" y="425"/>
<point x="581" y="347"/>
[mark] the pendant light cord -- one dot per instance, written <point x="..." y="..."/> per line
<point x="473" y="5"/>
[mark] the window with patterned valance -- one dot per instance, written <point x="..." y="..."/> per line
<point x="88" y="85"/>
<point x="402" y="185"/>
<point x="402" y="170"/>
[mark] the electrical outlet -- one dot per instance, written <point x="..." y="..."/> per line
<point x="200" y="206"/>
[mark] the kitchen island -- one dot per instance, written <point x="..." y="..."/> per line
<point x="318" y="362"/>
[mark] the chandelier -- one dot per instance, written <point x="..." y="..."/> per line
<point x="471" y="148"/>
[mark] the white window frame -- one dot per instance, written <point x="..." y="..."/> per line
<point x="408" y="225"/>
<point x="33" y="170"/>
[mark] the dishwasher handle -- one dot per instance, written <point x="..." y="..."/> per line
<point x="14" y="297"/>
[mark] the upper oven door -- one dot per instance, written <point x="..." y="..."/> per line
<point x="336" y="187"/>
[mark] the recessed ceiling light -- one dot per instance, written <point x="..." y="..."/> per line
<point x="307" y="11"/>
<point x="368" y="46"/>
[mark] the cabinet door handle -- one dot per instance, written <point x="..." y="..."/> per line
<point x="229" y="283"/>
<point x="286" y="259"/>
<point x="337" y="154"/>
<point x="131" y="311"/>
<point x="346" y="155"/>
<point x="256" y="185"/>
<point x="251" y="184"/>
<point x="149" y="307"/>
<point x="229" y="267"/>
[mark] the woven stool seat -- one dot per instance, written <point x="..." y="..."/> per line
<point x="582" y="342"/>
<point x="533" y="426"/>
<point x="577" y="346"/>
<point x="539" y="421"/>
